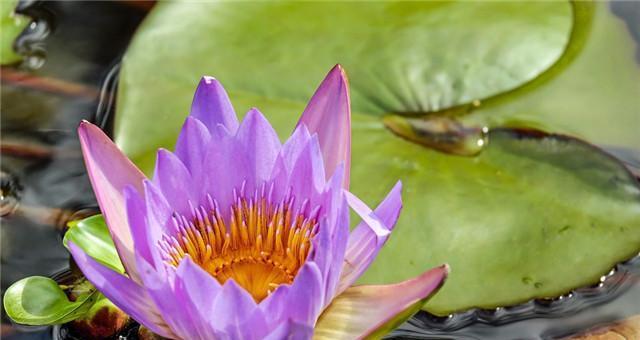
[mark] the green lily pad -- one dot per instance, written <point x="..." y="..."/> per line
<point x="92" y="235"/>
<point x="593" y="94"/>
<point x="38" y="300"/>
<point x="400" y="56"/>
<point x="529" y="216"/>
<point x="11" y="25"/>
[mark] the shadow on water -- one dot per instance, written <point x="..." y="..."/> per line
<point x="70" y="74"/>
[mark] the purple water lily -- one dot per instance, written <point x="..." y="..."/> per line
<point x="240" y="236"/>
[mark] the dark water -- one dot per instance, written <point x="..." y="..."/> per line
<point x="44" y="183"/>
<point x="70" y="73"/>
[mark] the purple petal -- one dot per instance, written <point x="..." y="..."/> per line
<point x="286" y="159"/>
<point x="110" y="172"/>
<point x="307" y="176"/>
<point x="212" y="106"/>
<point x="195" y="290"/>
<point x="261" y="147"/>
<point x="370" y="235"/>
<point x="334" y="195"/>
<point x="274" y="305"/>
<point x="232" y="306"/>
<point x="225" y="169"/>
<point x="322" y="254"/>
<point x="294" y="145"/>
<point x="253" y="328"/>
<point x="329" y="115"/>
<point x="331" y="241"/>
<point x="306" y="295"/>
<point x="160" y="286"/>
<point x="158" y="217"/>
<point x="291" y="330"/>
<point x="193" y="141"/>
<point x="336" y="248"/>
<point x="302" y="301"/>
<point x="200" y="286"/>
<point x="137" y="217"/>
<point x="122" y="291"/>
<point x="362" y="310"/>
<point x="174" y="180"/>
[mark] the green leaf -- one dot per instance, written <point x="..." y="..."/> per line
<point x="400" y="56"/>
<point x="38" y="300"/>
<point x="11" y="25"/>
<point x="529" y="216"/>
<point x="92" y="235"/>
<point x="592" y="94"/>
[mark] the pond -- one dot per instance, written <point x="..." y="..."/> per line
<point x="71" y="70"/>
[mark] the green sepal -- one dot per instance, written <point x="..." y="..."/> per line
<point x="92" y="235"/>
<point x="39" y="300"/>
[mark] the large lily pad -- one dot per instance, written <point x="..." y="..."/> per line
<point x="593" y="94"/>
<point x="408" y="57"/>
<point x="530" y="216"/>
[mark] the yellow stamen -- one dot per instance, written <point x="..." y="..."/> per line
<point x="264" y="246"/>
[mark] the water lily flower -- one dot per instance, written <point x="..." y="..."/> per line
<point x="240" y="236"/>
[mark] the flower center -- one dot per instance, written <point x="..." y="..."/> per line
<point x="263" y="246"/>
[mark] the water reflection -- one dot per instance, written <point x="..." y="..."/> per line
<point x="43" y="178"/>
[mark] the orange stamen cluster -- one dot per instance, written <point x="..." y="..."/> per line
<point x="261" y="245"/>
